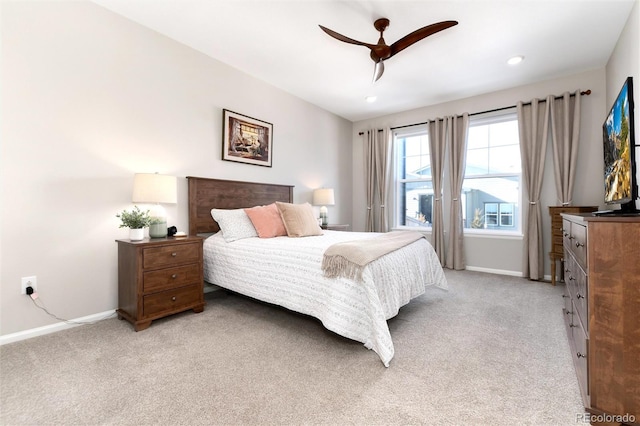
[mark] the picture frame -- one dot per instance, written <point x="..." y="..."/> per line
<point x="246" y="139"/>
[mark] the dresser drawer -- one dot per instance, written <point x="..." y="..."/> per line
<point x="170" y="255"/>
<point x="576" y="281"/>
<point x="566" y="232"/>
<point x="173" y="300"/>
<point x="177" y="276"/>
<point x="581" y="298"/>
<point x="578" y="244"/>
<point x="580" y="360"/>
<point x="567" y="312"/>
<point x="570" y="266"/>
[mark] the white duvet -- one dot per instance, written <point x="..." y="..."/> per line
<point x="287" y="272"/>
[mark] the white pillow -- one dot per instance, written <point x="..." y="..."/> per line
<point x="234" y="224"/>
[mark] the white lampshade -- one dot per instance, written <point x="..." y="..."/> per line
<point x="154" y="188"/>
<point x="323" y="197"/>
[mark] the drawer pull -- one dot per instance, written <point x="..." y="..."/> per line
<point x="564" y="295"/>
<point x="173" y="298"/>
<point x="571" y="237"/>
<point x="174" y="254"/>
<point x="572" y="325"/>
<point x="569" y="313"/>
<point x="580" y="355"/>
<point x="174" y="276"/>
<point x="579" y="296"/>
<point x="571" y="278"/>
<point x="579" y="244"/>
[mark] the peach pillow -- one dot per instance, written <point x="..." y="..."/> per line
<point x="299" y="220"/>
<point x="267" y="221"/>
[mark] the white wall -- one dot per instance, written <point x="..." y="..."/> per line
<point x="625" y="62"/>
<point x="88" y="99"/>
<point x="504" y="255"/>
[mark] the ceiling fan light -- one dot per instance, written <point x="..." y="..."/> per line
<point x="371" y="99"/>
<point x="515" y="60"/>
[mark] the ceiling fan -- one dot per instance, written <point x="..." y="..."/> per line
<point x="381" y="51"/>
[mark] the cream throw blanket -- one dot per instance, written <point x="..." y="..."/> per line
<point x="349" y="259"/>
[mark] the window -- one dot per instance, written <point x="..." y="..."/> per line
<point x="491" y="188"/>
<point x="491" y="194"/>
<point x="498" y="215"/>
<point x="414" y="188"/>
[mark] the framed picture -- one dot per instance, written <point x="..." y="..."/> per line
<point x="246" y="140"/>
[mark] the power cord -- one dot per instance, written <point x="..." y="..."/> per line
<point x="40" y="304"/>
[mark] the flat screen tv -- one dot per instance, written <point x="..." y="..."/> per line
<point x="620" y="183"/>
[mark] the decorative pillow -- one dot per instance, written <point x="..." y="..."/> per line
<point x="298" y="219"/>
<point x="234" y="224"/>
<point x="267" y="221"/>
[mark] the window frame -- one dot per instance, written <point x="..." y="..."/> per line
<point x="403" y="133"/>
<point x="396" y="186"/>
<point x="515" y="231"/>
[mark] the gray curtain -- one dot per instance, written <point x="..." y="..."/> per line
<point x="369" y="171"/>
<point x="382" y="147"/>
<point x="533" y="126"/>
<point x="565" y="134"/>
<point x="376" y="168"/>
<point x="437" y="145"/>
<point x="459" y="131"/>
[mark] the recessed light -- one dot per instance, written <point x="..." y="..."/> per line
<point x="371" y="99"/>
<point x="515" y="60"/>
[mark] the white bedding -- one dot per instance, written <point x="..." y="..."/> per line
<point x="287" y="272"/>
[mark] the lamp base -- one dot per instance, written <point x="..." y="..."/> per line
<point x="324" y="217"/>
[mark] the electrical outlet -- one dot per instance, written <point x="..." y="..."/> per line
<point x="29" y="282"/>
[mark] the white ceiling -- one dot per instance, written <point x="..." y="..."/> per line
<point x="280" y="43"/>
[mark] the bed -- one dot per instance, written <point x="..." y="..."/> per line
<point x="287" y="271"/>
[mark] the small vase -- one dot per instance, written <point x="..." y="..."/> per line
<point x="158" y="228"/>
<point x="136" y="234"/>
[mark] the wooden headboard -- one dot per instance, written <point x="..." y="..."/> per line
<point x="206" y="194"/>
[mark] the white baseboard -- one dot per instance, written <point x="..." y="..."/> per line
<point x="494" y="271"/>
<point x="502" y="272"/>
<point x="52" y="328"/>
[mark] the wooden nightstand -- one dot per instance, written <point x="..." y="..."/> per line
<point x="159" y="277"/>
<point x="335" y="227"/>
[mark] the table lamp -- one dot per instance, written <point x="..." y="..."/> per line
<point x="155" y="188"/>
<point x="323" y="197"/>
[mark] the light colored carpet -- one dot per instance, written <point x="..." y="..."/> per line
<point x="491" y="351"/>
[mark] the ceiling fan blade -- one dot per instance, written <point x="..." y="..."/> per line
<point x="419" y="34"/>
<point x="378" y="70"/>
<point x="345" y="39"/>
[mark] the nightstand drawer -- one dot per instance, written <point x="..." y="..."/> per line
<point x="171" y="300"/>
<point x="171" y="255"/>
<point x="178" y="276"/>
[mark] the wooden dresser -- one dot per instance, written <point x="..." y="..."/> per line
<point x="159" y="277"/>
<point x="557" y="252"/>
<point x="602" y="312"/>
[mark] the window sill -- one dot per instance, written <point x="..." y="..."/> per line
<point x="424" y="230"/>
<point x="503" y="235"/>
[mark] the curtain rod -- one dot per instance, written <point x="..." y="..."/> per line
<point x="586" y="92"/>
